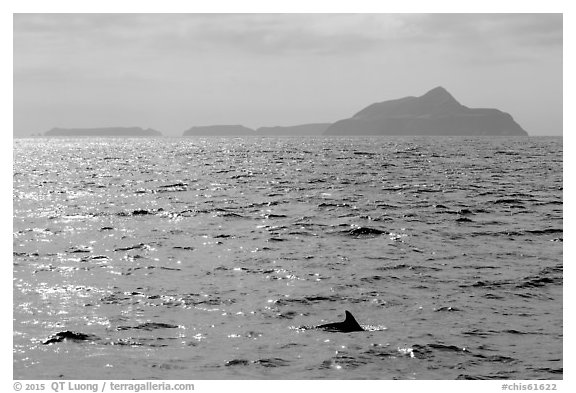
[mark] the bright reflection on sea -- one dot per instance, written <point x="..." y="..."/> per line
<point x="215" y="258"/>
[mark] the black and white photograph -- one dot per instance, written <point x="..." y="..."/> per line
<point x="287" y="196"/>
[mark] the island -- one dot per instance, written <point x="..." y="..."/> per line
<point x="219" y="130"/>
<point x="314" y="129"/>
<point x="436" y="113"/>
<point x="106" y="131"/>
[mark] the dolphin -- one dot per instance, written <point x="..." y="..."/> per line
<point x="348" y="325"/>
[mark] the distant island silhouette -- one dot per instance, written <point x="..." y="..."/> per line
<point x="238" y="130"/>
<point x="436" y="113"/>
<point x="106" y="131"/>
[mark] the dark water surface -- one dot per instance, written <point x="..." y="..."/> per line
<point x="201" y="258"/>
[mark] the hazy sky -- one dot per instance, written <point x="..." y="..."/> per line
<point x="172" y="71"/>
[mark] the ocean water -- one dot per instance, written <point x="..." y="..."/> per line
<point x="211" y="258"/>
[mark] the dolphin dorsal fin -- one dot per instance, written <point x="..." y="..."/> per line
<point x="346" y="326"/>
<point x="350" y="320"/>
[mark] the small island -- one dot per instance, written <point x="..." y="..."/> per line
<point x="436" y="113"/>
<point x="105" y="131"/>
<point x="314" y="129"/>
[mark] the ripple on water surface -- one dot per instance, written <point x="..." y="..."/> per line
<point x="201" y="258"/>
